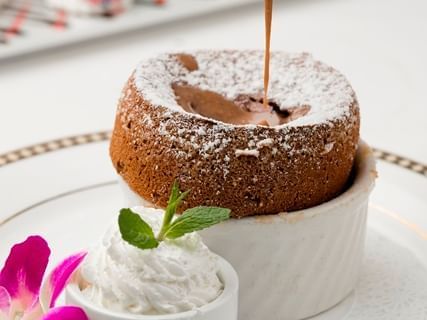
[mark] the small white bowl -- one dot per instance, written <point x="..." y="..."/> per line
<point x="225" y="307"/>
<point x="300" y="263"/>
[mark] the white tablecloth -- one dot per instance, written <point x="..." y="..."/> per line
<point x="380" y="45"/>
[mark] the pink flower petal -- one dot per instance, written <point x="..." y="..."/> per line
<point x="23" y="271"/>
<point x="58" y="279"/>
<point x="4" y="302"/>
<point x="66" y="313"/>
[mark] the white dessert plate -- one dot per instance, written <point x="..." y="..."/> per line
<point x="65" y="190"/>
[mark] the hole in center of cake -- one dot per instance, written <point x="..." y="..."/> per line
<point x="244" y="109"/>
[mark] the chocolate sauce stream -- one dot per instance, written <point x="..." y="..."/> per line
<point x="268" y="4"/>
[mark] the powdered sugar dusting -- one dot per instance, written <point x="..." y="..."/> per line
<point x="247" y="152"/>
<point x="296" y="80"/>
<point x="328" y="147"/>
<point x="265" y="143"/>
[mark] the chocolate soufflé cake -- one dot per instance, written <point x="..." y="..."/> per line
<point x="198" y="118"/>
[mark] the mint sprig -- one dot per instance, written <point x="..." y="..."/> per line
<point x="139" y="233"/>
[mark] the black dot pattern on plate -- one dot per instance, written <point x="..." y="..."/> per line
<point x="67" y="142"/>
<point x="50" y="146"/>
<point x="401" y="161"/>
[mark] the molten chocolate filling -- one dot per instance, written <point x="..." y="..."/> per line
<point x="245" y="109"/>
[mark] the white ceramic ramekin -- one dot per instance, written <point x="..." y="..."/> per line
<point x="295" y="265"/>
<point x="224" y="307"/>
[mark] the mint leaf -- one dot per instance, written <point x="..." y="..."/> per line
<point x="136" y="231"/>
<point x="175" y="200"/>
<point x="195" y="219"/>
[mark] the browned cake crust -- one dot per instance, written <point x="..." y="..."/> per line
<point x="252" y="170"/>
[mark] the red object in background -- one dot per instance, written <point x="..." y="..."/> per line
<point x="30" y="10"/>
<point x="18" y="21"/>
<point x="61" y="20"/>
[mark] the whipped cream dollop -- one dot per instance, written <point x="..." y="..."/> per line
<point x="179" y="275"/>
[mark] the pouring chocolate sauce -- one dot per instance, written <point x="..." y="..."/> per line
<point x="244" y="109"/>
<point x="268" y="12"/>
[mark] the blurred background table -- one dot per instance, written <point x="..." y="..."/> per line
<point x="379" y="45"/>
